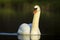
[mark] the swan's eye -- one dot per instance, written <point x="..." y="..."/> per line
<point x="35" y="8"/>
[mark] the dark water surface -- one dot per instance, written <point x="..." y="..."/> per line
<point x="43" y="37"/>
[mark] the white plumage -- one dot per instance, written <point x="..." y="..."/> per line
<point x="31" y="29"/>
<point x="24" y="32"/>
<point x="24" y="29"/>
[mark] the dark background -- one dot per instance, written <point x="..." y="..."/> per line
<point x="15" y="12"/>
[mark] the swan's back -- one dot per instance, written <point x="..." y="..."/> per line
<point x="24" y="29"/>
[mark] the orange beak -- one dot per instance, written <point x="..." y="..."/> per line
<point x="35" y="10"/>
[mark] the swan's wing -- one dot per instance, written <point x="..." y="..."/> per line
<point x="24" y="29"/>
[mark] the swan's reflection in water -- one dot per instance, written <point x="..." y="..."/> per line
<point x="29" y="37"/>
<point x="35" y="37"/>
<point x="23" y="37"/>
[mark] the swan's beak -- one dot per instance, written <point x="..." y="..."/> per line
<point x="35" y="10"/>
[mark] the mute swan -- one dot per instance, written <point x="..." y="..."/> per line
<point x="35" y="24"/>
<point x="27" y="29"/>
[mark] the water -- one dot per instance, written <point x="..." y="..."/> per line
<point x="27" y="37"/>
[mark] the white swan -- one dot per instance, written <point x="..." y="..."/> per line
<point x="35" y="24"/>
<point x="25" y="28"/>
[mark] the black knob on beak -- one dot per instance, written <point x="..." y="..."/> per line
<point x="35" y="8"/>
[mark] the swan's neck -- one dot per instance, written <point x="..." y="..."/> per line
<point x="35" y="23"/>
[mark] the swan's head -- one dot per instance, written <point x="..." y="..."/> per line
<point x="36" y="9"/>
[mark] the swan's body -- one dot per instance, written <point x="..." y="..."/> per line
<point x="24" y="29"/>
<point x="31" y="29"/>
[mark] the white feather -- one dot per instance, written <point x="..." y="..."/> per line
<point x="24" y="29"/>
